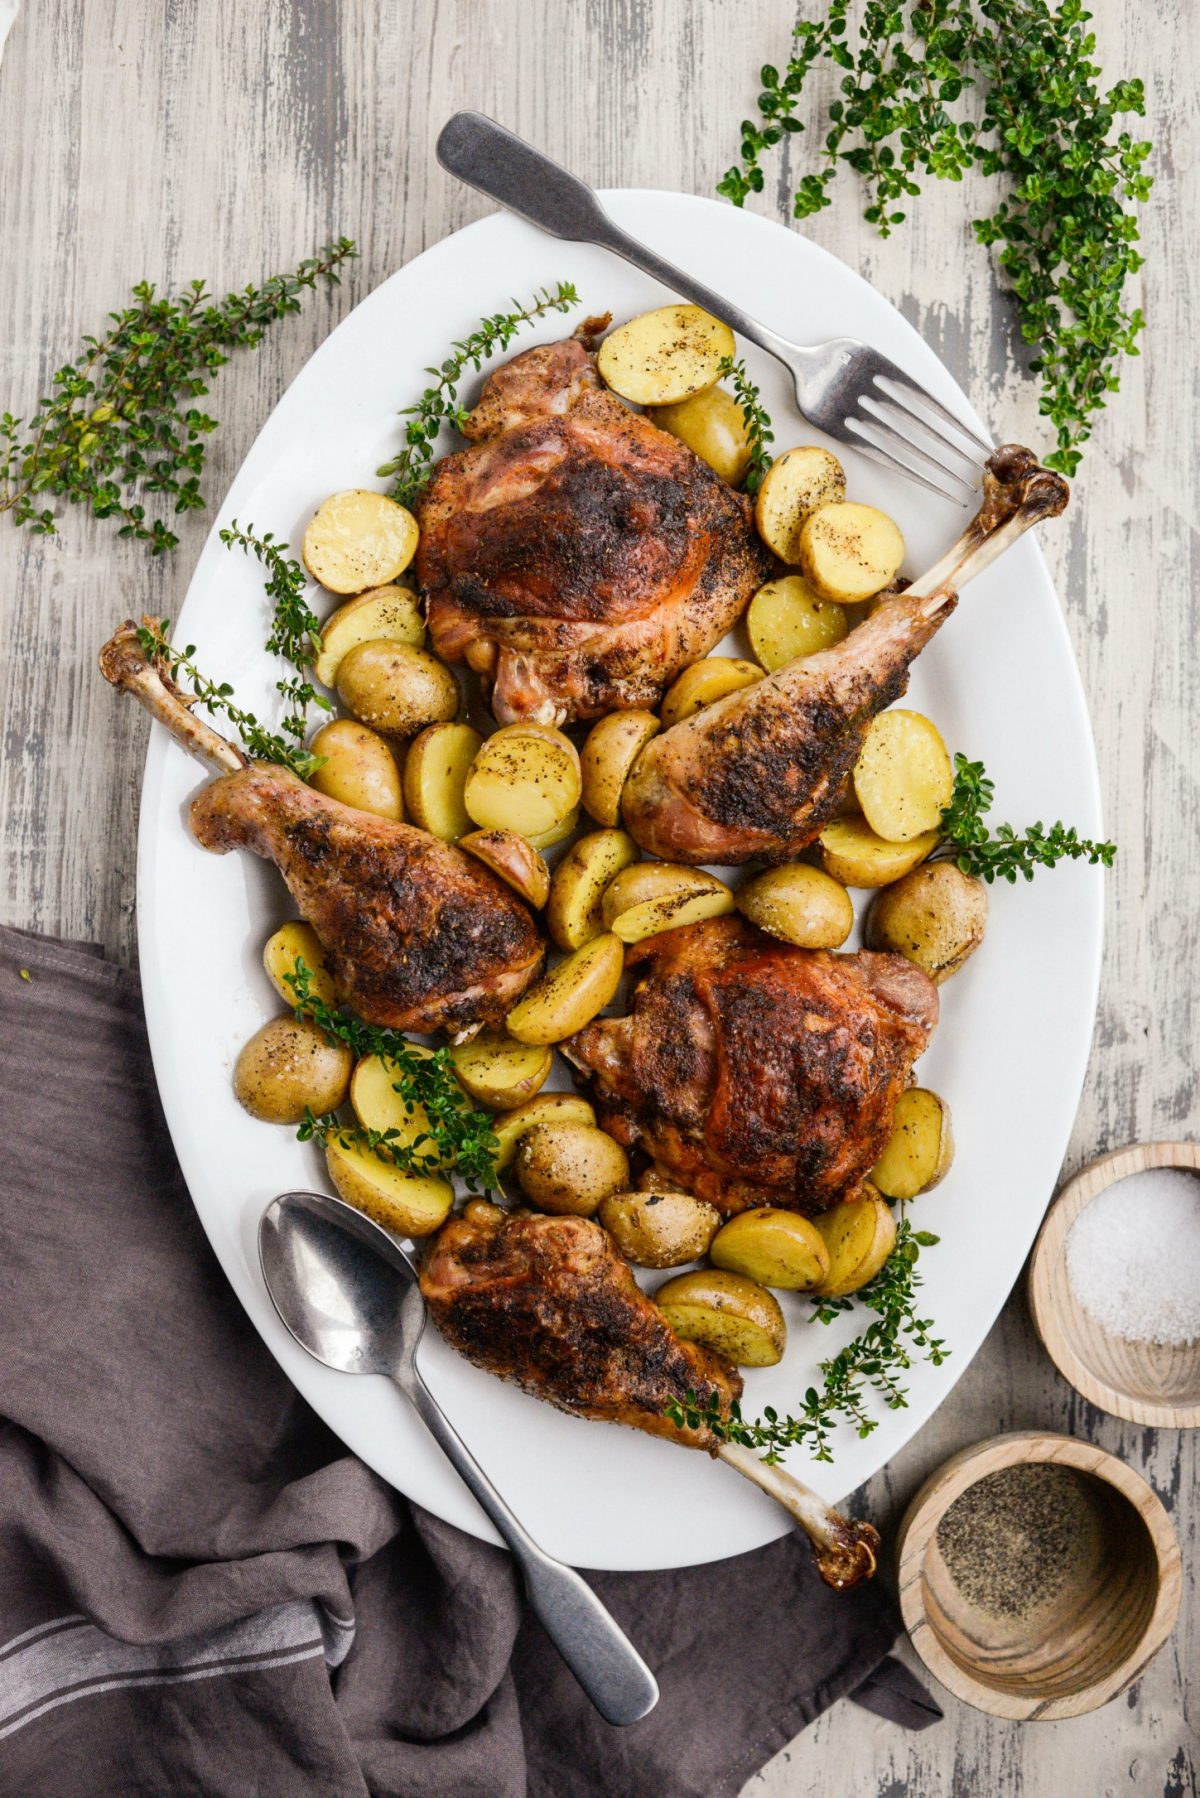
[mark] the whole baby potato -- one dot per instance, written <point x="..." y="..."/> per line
<point x="570" y="1168"/>
<point x="359" y="769"/>
<point x="547" y="1108"/>
<point x="798" y="904"/>
<point x="663" y="1228"/>
<point x="289" y="1067"/>
<point x="936" y="916"/>
<point x="776" y="1248"/>
<point x="396" y="688"/>
<point x="713" y="426"/>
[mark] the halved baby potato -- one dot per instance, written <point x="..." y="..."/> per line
<point x="566" y="827"/>
<point x="359" y="769"/>
<point x="671" y="911"/>
<point x="390" y="613"/>
<point x="851" y="852"/>
<point x="643" y="881"/>
<point x="903" y="778"/>
<point x="920" y="1149"/>
<point x="358" y="539"/>
<point x="662" y="1228"/>
<point x="291" y="943"/>
<point x="499" y="1073"/>
<point x="409" y="1204"/>
<point x="396" y="688"/>
<point x="936" y="915"/>
<point x="524" y="779"/>
<point x="569" y="1168"/>
<point x="734" y="1316"/>
<point x="378" y="1104"/>
<point x="776" y="1248"/>
<point x="514" y="858"/>
<point x="574" y="915"/>
<point x="859" y="1236"/>
<point x="435" y="773"/>
<point x="713" y="426"/>
<point x="662" y="357"/>
<point x="786" y="620"/>
<point x="704" y="682"/>
<point x="796" y="483"/>
<point x="799" y="904"/>
<point x="288" y="1067"/>
<point x="547" y="1108"/>
<point x="610" y="749"/>
<point x="849" y="552"/>
<point x="570" y="995"/>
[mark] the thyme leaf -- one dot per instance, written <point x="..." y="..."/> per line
<point x="758" y="423"/>
<point x="1005" y="855"/>
<point x="295" y="627"/>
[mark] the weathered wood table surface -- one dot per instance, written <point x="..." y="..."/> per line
<point x="229" y="139"/>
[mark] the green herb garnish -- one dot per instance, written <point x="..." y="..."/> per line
<point x="1066" y="241"/>
<point x="459" y="1137"/>
<point x="876" y="1360"/>
<point x="295" y="627"/>
<point x="439" y="405"/>
<point x="1005" y="855"/>
<point x="758" y="423"/>
<point x="121" y="420"/>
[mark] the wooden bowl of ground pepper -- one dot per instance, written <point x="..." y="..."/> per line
<point x="1038" y="1575"/>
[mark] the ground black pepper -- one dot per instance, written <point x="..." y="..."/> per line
<point x="1012" y="1540"/>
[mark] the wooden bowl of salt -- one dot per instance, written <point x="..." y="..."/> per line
<point x="1114" y="1284"/>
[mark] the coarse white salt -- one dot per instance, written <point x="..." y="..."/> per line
<point x="1133" y="1257"/>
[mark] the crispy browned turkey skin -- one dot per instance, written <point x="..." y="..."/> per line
<point x="548" y="1303"/>
<point x="755" y="1073"/>
<point x="578" y="557"/>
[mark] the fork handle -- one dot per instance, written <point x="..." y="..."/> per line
<point x="488" y="157"/>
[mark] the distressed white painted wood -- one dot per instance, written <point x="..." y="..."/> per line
<point x="228" y="140"/>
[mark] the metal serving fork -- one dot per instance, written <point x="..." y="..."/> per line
<point x="848" y="390"/>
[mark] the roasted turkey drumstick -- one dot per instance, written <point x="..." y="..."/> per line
<point x="548" y="1303"/>
<point x="417" y="935"/>
<point x="762" y="772"/>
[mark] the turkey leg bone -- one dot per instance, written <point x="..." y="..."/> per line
<point x="845" y="1549"/>
<point x="128" y="667"/>
<point x="761" y="772"/>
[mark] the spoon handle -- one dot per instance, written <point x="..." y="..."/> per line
<point x="599" y="1654"/>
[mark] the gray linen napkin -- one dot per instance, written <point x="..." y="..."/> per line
<point x="201" y="1591"/>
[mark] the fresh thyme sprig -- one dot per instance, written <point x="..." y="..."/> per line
<point x="758" y="423"/>
<point x="1066" y="239"/>
<point x="439" y="404"/>
<point x="121" y="420"/>
<point x="217" y="696"/>
<point x="875" y="1360"/>
<point x="418" y="1155"/>
<point x="295" y="627"/>
<point x="460" y="1136"/>
<point x="1004" y="855"/>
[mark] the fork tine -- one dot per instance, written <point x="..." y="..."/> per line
<point x="893" y="440"/>
<point x="909" y="390"/>
<point x="887" y="460"/>
<point x="921" y="438"/>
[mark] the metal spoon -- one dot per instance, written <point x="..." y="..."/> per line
<point x="349" y="1294"/>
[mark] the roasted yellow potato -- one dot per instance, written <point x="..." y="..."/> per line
<point x="671" y="912"/>
<point x="662" y="1228"/>
<point x="396" y="688"/>
<point x="794" y="486"/>
<point x="409" y="1204"/>
<point x="849" y="552"/>
<point x="499" y="1073"/>
<point x="574" y="915"/>
<point x="547" y="1108"/>
<point x="292" y="943"/>
<point x="378" y="1105"/>
<point x="799" y="904"/>
<point x="903" y="779"/>
<point x="776" y="1248"/>
<point x="558" y="833"/>
<point x="514" y="859"/>
<point x="643" y="881"/>
<point x="570" y="995"/>
<point x="920" y="1149"/>
<point x="786" y="620"/>
<point x="358" y="539"/>
<point x="703" y="682"/>
<point x="936" y="916"/>
<point x="569" y="1168"/>
<point x="289" y="1067"/>
<point x="734" y="1316"/>
<point x="611" y="748"/>
<point x="713" y="426"/>
<point x="524" y="779"/>
<point x="435" y="772"/>
<point x="390" y="613"/>
<point x="359" y="768"/>
<point x="859" y="1237"/>
<point x="661" y="357"/>
<point x="852" y="853"/>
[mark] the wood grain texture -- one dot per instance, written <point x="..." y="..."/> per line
<point x="170" y="138"/>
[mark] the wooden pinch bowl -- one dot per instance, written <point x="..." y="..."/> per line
<point x="1092" y="1636"/>
<point x="1145" y="1382"/>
